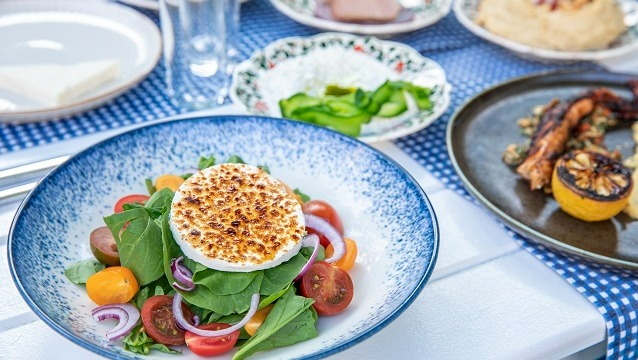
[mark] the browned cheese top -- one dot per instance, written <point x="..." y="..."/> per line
<point x="238" y="214"/>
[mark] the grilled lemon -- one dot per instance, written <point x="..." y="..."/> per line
<point x="591" y="186"/>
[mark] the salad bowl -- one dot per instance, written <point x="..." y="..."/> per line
<point x="381" y="206"/>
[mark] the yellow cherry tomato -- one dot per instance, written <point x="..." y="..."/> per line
<point x="113" y="285"/>
<point x="255" y="322"/>
<point x="170" y="181"/>
<point x="347" y="261"/>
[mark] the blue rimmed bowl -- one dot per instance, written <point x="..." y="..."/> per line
<point x="381" y="206"/>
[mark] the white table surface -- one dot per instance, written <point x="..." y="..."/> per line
<point x="487" y="298"/>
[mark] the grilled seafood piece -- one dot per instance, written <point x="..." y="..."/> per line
<point x="548" y="144"/>
<point x="557" y="124"/>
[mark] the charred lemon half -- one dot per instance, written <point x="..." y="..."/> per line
<point x="591" y="186"/>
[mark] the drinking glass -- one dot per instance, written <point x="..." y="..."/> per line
<point x="200" y="47"/>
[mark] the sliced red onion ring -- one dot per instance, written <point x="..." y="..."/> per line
<point x="179" y="318"/>
<point x="181" y="287"/>
<point x="324" y="228"/>
<point x="126" y="314"/>
<point x="182" y="274"/>
<point x="309" y="240"/>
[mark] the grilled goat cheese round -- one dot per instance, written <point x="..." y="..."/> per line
<point x="236" y="217"/>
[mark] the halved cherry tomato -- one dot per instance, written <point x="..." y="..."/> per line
<point x="330" y="287"/>
<point x="159" y="322"/>
<point x="323" y="210"/>
<point x="347" y="261"/>
<point x="211" y="346"/>
<point x="255" y="322"/>
<point x="103" y="246"/>
<point x="129" y="199"/>
<point x="113" y="285"/>
<point x="170" y="181"/>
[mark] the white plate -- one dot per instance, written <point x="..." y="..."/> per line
<point x="424" y="13"/>
<point x="466" y="12"/>
<point x="66" y="32"/>
<point x="308" y="64"/>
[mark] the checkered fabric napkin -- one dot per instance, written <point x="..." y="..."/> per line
<point x="471" y="65"/>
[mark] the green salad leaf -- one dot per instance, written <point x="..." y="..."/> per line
<point x="159" y="202"/>
<point x="80" y="271"/>
<point x="157" y="287"/>
<point x="290" y="321"/>
<point x="273" y="297"/>
<point x="139" y="244"/>
<point x="206" y="162"/>
<point x="149" y="186"/>
<point x="139" y="342"/>
<point x="305" y="198"/>
<point x="235" y="159"/>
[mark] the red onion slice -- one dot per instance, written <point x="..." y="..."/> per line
<point x="309" y="240"/>
<point x="324" y="228"/>
<point x="182" y="274"/>
<point x="126" y="314"/>
<point x="179" y="318"/>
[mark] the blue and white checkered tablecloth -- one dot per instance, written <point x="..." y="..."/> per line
<point x="471" y="65"/>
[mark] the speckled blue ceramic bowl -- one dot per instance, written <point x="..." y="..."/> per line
<point x="381" y="206"/>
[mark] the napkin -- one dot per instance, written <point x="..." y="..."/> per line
<point x="53" y="84"/>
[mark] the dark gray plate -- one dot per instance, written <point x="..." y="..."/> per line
<point x="479" y="133"/>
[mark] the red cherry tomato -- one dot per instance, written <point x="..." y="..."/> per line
<point x="325" y="211"/>
<point x="330" y="287"/>
<point x="129" y="199"/>
<point x="211" y="346"/>
<point x="159" y="321"/>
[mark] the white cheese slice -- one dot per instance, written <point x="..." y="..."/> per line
<point x="53" y="85"/>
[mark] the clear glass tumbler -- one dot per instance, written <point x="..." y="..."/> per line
<point x="199" y="39"/>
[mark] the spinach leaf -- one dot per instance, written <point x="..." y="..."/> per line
<point x="206" y="162"/>
<point x="290" y="321"/>
<point x="159" y="203"/>
<point x="224" y="283"/>
<point x="274" y="297"/>
<point x="224" y="304"/>
<point x="305" y="198"/>
<point x="234" y="159"/>
<point x="307" y="252"/>
<point x="139" y="244"/>
<point x="264" y="168"/>
<point x="149" y="186"/>
<point x="157" y="287"/>
<point x="282" y="275"/>
<point x="138" y="341"/>
<point x="170" y="249"/>
<point x="186" y="176"/>
<point x="80" y="271"/>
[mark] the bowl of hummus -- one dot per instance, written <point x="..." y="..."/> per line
<point x="555" y="29"/>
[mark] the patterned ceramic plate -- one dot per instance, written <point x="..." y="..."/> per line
<point x="466" y="13"/>
<point x="381" y="206"/>
<point x="417" y="14"/>
<point x="298" y="64"/>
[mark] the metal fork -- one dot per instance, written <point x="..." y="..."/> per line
<point x="18" y="181"/>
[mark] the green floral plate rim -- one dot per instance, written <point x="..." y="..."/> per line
<point x="283" y="68"/>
